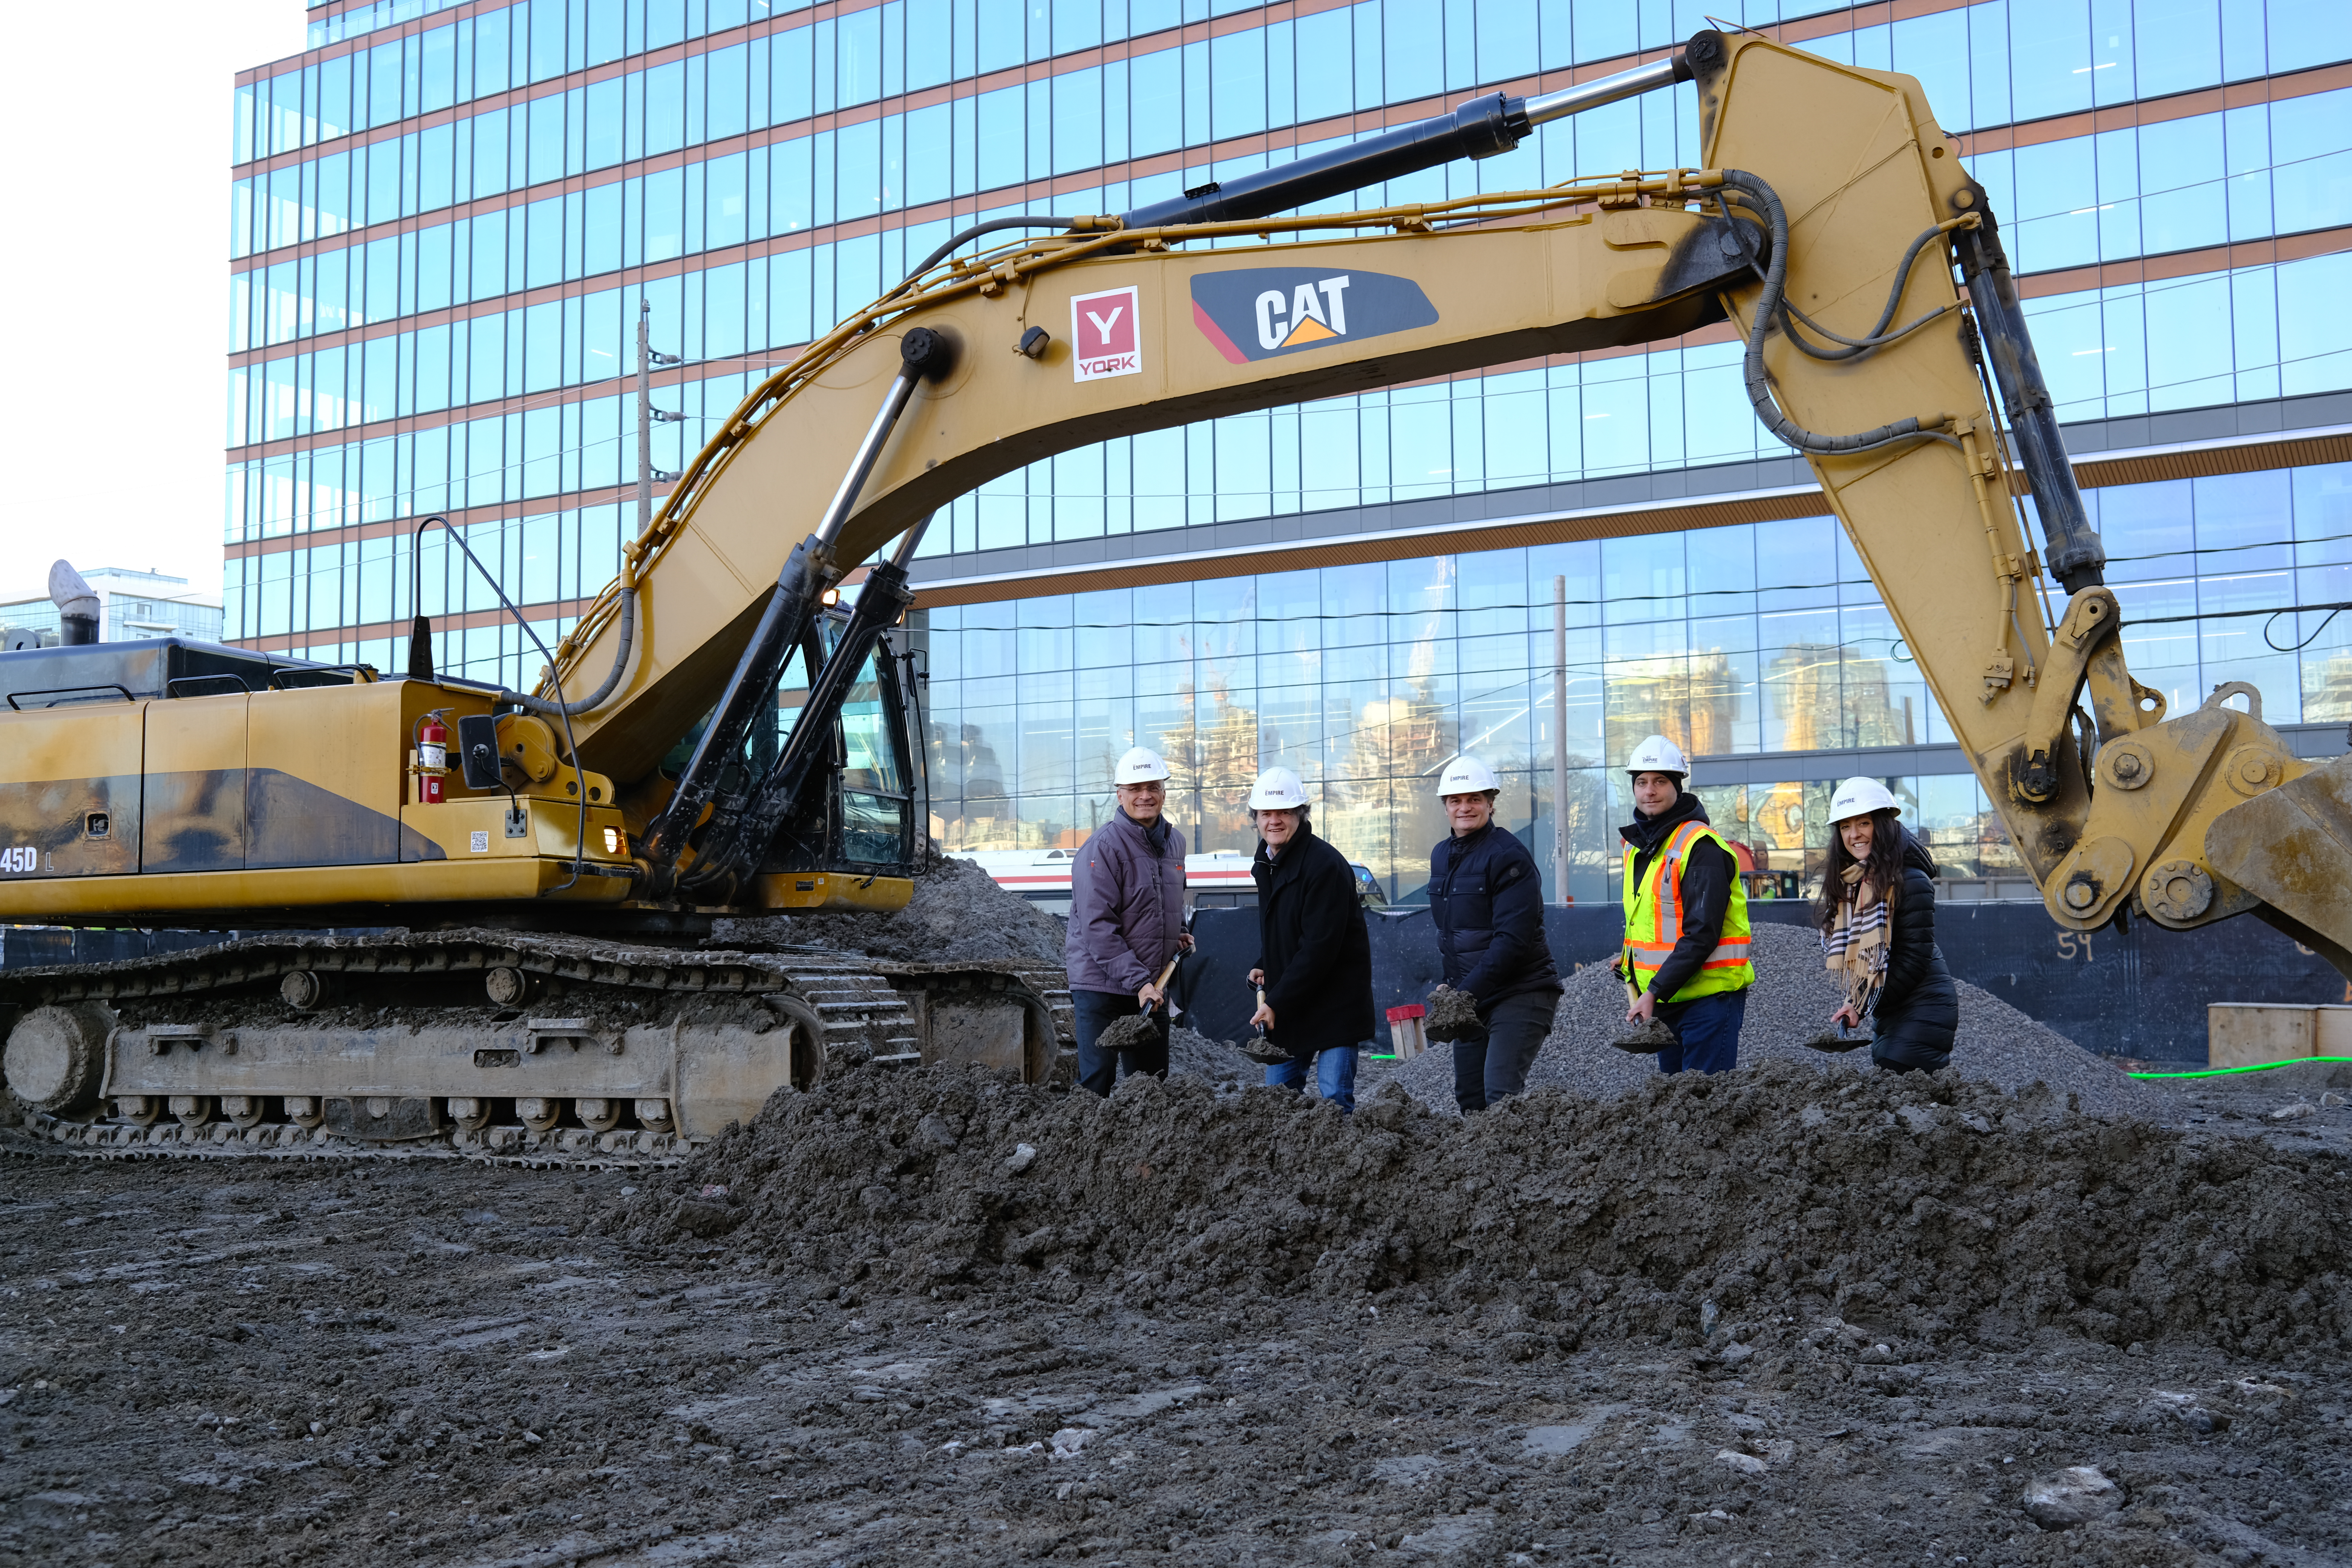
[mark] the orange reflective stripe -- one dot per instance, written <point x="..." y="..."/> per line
<point x="1669" y="897"/>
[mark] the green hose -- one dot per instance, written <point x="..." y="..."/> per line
<point x="2255" y="1066"/>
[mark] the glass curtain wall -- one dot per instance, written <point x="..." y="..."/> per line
<point x="1755" y="639"/>
<point x="440" y="230"/>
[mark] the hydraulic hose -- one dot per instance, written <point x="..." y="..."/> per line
<point x="992" y="226"/>
<point x="1878" y="336"/>
<point x="555" y="708"/>
<point x="1767" y="309"/>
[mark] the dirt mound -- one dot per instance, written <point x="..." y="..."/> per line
<point x="958" y="915"/>
<point x="1925" y="1208"/>
<point x="1791" y="1001"/>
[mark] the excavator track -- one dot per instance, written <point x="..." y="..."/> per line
<point x="527" y="1048"/>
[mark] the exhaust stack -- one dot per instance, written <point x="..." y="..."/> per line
<point x="76" y="604"/>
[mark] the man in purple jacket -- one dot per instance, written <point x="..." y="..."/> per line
<point x="1126" y="921"/>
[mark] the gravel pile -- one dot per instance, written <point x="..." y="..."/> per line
<point x="1929" y="1206"/>
<point x="1792" y="1000"/>
<point x="1194" y="1054"/>
<point x="958" y="915"/>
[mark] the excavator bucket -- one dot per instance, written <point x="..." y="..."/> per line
<point x="2292" y="847"/>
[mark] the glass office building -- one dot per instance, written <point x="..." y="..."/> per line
<point x="442" y="219"/>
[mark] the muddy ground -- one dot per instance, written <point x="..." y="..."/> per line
<point x="1789" y="1320"/>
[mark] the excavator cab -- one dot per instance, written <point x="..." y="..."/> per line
<point x="846" y="835"/>
<point x="855" y="818"/>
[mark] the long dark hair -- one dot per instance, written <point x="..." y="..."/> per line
<point x="1882" y="869"/>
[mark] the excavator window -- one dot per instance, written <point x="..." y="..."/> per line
<point x="874" y="795"/>
<point x="872" y="764"/>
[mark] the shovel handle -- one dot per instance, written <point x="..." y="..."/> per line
<point x="1166" y="970"/>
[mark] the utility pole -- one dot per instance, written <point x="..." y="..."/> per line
<point x="644" y="420"/>
<point x="647" y="415"/>
<point x="1560" y="738"/>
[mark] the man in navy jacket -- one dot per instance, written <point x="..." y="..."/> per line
<point x="1487" y="897"/>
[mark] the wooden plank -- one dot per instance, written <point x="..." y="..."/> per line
<point x="2240" y="1034"/>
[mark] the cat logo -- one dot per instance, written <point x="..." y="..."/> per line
<point x="1259" y="312"/>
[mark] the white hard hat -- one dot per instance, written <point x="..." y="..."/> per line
<point x="1277" y="789"/>
<point x="1466" y="775"/>
<point x="1859" y="797"/>
<point x="1141" y="766"/>
<point x="1658" y="755"/>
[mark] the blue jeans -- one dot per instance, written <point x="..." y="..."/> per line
<point x="1708" y="1029"/>
<point x="1496" y="1066"/>
<point x="1335" y="1076"/>
<point x="1095" y="1011"/>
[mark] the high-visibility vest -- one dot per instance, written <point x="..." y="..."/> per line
<point x="1653" y="921"/>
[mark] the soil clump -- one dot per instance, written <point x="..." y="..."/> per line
<point x="1126" y="1034"/>
<point x="1452" y="1015"/>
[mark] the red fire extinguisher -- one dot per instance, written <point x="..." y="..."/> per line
<point x="432" y="758"/>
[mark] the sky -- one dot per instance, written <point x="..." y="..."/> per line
<point x="116" y="282"/>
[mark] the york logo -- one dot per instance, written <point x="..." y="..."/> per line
<point x="1109" y="341"/>
<point x="1259" y="312"/>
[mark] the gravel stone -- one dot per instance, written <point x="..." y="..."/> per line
<point x="1791" y="1000"/>
<point x="2073" y="1496"/>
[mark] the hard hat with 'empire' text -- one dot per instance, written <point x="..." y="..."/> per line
<point x="1277" y="789"/>
<point x="1466" y="775"/>
<point x="1142" y="765"/>
<point x="1658" y="755"/>
<point x="1859" y="797"/>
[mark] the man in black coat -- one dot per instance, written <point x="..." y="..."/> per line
<point x="1486" y="896"/>
<point x="1314" y="957"/>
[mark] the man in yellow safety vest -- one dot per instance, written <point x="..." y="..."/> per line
<point x="1686" y="933"/>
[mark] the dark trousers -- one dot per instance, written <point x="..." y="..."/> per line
<point x="1095" y="1010"/>
<point x="1707" y="1030"/>
<point x="1496" y="1066"/>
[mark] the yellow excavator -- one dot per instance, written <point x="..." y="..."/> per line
<point x="719" y="736"/>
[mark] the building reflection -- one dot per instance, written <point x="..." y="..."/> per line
<point x="1366" y="679"/>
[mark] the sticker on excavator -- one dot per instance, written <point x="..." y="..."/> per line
<point x="1108" y="343"/>
<point x="1260" y="312"/>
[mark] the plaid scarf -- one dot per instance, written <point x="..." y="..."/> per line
<point x="1855" y="947"/>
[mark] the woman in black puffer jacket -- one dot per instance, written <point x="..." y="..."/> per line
<point x="1877" y="915"/>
